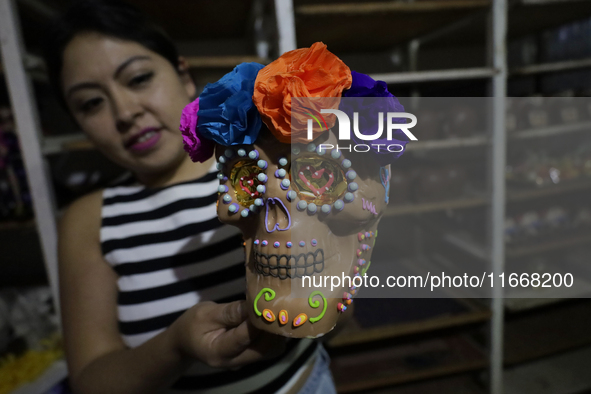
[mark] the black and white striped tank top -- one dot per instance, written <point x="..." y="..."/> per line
<point x="170" y="252"/>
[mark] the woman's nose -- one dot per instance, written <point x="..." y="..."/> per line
<point x="126" y="110"/>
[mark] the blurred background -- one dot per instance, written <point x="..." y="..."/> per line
<point x="510" y="193"/>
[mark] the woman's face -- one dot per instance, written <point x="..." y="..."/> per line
<point x="128" y="100"/>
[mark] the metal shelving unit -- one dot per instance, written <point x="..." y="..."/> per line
<point x="419" y="24"/>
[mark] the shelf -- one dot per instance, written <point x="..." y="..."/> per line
<point x="555" y="243"/>
<point x="222" y="61"/>
<point x="528" y="194"/>
<point x="355" y="334"/>
<point x="435" y="206"/>
<point x="406" y="363"/>
<point x="551" y="67"/>
<point x="436" y="75"/>
<point x="380" y="7"/>
<point x="533" y="335"/>
<point x="550" y="131"/>
<point x="515" y="305"/>
<point x="66" y="143"/>
<point x="476" y="249"/>
<point x="57" y="372"/>
<point x="449" y="143"/>
<point x="564" y="373"/>
<point x="363" y="27"/>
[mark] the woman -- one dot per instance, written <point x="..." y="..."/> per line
<point x="140" y="264"/>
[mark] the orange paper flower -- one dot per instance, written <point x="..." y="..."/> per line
<point x="307" y="72"/>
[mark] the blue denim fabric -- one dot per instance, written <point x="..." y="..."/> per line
<point x="320" y="379"/>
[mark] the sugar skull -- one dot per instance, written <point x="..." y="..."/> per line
<point x="308" y="211"/>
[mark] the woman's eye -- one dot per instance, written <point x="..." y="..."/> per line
<point x="90" y="105"/>
<point x="141" y="79"/>
<point x="317" y="180"/>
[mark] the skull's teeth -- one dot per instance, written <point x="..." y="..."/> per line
<point x="289" y="266"/>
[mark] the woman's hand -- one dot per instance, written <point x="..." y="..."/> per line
<point x="220" y="336"/>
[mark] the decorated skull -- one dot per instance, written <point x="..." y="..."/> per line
<point x="308" y="211"/>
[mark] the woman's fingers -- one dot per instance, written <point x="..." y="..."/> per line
<point x="231" y="314"/>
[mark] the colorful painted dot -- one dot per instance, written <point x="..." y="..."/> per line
<point x="325" y="208"/>
<point x="268" y="315"/>
<point x="295" y="150"/>
<point x="349" y="197"/>
<point x="253" y="154"/>
<point x="262" y="177"/>
<point x="261" y="188"/>
<point x="280" y="173"/>
<point x="346" y="163"/>
<point x="361" y="261"/>
<point x="253" y="208"/>
<point x="312" y="208"/>
<point x="302" y="205"/>
<point x="229" y="153"/>
<point x="335" y="154"/>
<point x="289" y="244"/>
<point x="291" y="195"/>
<point x="351" y="175"/>
<point x="222" y="159"/>
<point x="339" y="205"/>
<point x="241" y="152"/>
<point x="314" y="242"/>
<point x="360" y="236"/>
<point x="300" y="319"/>
<point x="311" y="147"/>
<point x="262" y="164"/>
<point x="302" y="243"/>
<point x="283" y="161"/>
<point x="221" y="175"/>
<point x="256" y="242"/>
<point x="276" y="244"/>
<point x="283" y="316"/>
<point x="353" y="186"/>
<point x="265" y="242"/>
<point x="320" y="150"/>
<point x="285" y="184"/>
<point x="233" y="208"/>
<point x="222" y="189"/>
<point x="259" y="202"/>
<point x="227" y="199"/>
<point x="244" y="213"/>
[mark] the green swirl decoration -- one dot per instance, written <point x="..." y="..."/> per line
<point x="316" y="304"/>
<point x="269" y="295"/>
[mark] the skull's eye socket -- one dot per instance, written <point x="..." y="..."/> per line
<point x="317" y="180"/>
<point x="244" y="178"/>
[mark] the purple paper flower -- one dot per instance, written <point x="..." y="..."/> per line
<point x="198" y="148"/>
<point x="367" y="92"/>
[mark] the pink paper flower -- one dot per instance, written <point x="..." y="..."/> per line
<point x="198" y="148"/>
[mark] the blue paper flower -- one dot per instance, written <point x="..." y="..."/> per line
<point x="364" y="86"/>
<point x="227" y="113"/>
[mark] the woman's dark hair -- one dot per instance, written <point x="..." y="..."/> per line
<point x="108" y="17"/>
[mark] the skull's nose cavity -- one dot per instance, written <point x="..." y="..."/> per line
<point x="277" y="216"/>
